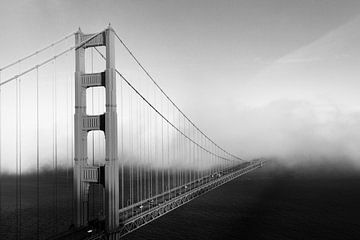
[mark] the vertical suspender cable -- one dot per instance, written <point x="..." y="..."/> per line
<point x="191" y="154"/>
<point x="200" y="157"/>
<point x="141" y="159"/>
<point x="143" y="152"/>
<point x="17" y="157"/>
<point x="212" y="159"/>
<point x="206" y="163"/>
<point x="190" y="158"/>
<point x="156" y="159"/>
<point x="135" y="150"/>
<point x="20" y="159"/>
<point x="176" y="154"/>
<point x="122" y="142"/>
<point x="185" y="155"/>
<point x="68" y="130"/>
<point x="168" y="153"/>
<point x="203" y="155"/>
<point x="19" y="151"/>
<point x="55" y="144"/>
<point x="138" y="151"/>
<point x="67" y="124"/>
<point x="173" y="172"/>
<point x="145" y="165"/>
<point x="131" y="151"/>
<point x="141" y="146"/>
<point x="181" y="155"/>
<point x="198" y="162"/>
<point x="149" y="152"/>
<point x="72" y="149"/>
<point x="162" y="154"/>
<point x="18" y="229"/>
<point x="179" y="151"/>
<point x="189" y="167"/>
<point x="37" y="158"/>
<point x="146" y="162"/>
<point x="0" y="155"/>
<point x="146" y="153"/>
<point x="206" y="159"/>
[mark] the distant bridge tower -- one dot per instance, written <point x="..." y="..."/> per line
<point x="84" y="173"/>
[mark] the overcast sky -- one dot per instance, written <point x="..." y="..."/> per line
<point x="262" y="78"/>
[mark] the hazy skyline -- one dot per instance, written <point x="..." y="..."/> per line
<point x="262" y="78"/>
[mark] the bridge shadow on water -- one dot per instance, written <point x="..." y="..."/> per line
<point x="275" y="202"/>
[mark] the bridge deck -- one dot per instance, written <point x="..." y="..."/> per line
<point x="137" y="215"/>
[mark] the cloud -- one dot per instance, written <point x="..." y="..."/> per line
<point x="293" y="131"/>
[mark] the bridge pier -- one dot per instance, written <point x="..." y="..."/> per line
<point x="84" y="173"/>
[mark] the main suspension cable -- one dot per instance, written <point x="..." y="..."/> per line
<point x="37" y="52"/>
<point x="50" y="59"/>
<point x="162" y="91"/>
<point x="159" y="113"/>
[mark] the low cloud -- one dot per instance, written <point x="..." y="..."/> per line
<point x="292" y="131"/>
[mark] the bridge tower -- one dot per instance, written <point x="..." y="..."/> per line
<point x="84" y="173"/>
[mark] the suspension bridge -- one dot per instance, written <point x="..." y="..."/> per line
<point x="99" y="153"/>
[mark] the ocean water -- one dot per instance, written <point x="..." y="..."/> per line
<point x="317" y="201"/>
<point x="55" y="206"/>
<point x="275" y="202"/>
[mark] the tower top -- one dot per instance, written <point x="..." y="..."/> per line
<point x="109" y="27"/>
